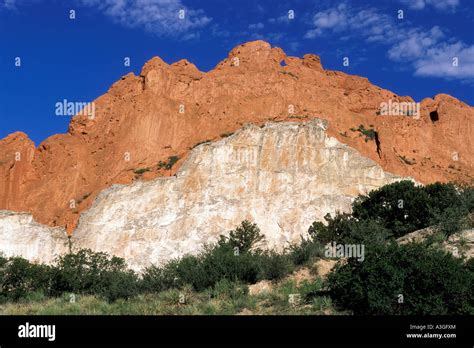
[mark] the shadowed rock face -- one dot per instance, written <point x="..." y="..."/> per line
<point x="167" y="109"/>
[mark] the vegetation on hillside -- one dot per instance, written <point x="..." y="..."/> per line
<point x="404" y="279"/>
<point x="169" y="163"/>
<point x="369" y="134"/>
<point x="417" y="278"/>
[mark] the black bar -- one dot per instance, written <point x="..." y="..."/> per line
<point x="242" y="330"/>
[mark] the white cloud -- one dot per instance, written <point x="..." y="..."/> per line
<point x="437" y="4"/>
<point x="8" y="4"/>
<point x="415" y="44"/>
<point x="424" y="49"/>
<point x="439" y="61"/>
<point x="332" y="18"/>
<point x="160" y="17"/>
<point x="430" y="56"/>
<point x="256" y="26"/>
<point x="343" y="18"/>
<point x="272" y="37"/>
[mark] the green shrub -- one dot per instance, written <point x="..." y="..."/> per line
<point x="234" y="258"/>
<point x="15" y="278"/>
<point x="467" y="198"/>
<point x="370" y="134"/>
<point x="367" y="232"/>
<point x="188" y="270"/>
<point x="84" y="272"/>
<point x="19" y="277"/>
<point x="397" y="209"/>
<point x="88" y="272"/>
<point x="345" y="229"/>
<point x="176" y="273"/>
<point x="449" y="221"/>
<point x="442" y="196"/>
<point x="274" y="265"/>
<point x="223" y="262"/>
<point x="154" y="279"/>
<point x="331" y="232"/>
<point x="169" y="163"/>
<point x="35" y="296"/>
<point x="117" y="285"/>
<point x="243" y="238"/>
<point x="403" y="207"/>
<point x="306" y="250"/>
<point x="215" y="263"/>
<point x="431" y="282"/>
<point x="450" y="206"/>
<point x="470" y="265"/>
<point x="400" y="207"/>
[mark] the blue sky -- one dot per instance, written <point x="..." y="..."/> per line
<point x="78" y="59"/>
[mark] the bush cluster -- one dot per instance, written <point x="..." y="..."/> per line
<point x="344" y="228"/>
<point x="403" y="207"/>
<point x="234" y="258"/>
<point x="19" y="278"/>
<point x="85" y="272"/>
<point x="88" y="272"/>
<point x="397" y="209"/>
<point x="428" y="280"/>
<point x="412" y="279"/>
<point x="168" y="164"/>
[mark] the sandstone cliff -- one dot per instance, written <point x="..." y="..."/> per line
<point x="167" y="109"/>
<point x="283" y="176"/>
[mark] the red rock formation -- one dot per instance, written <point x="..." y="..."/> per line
<point x="165" y="111"/>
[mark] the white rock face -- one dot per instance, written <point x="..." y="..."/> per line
<point x="282" y="177"/>
<point x="21" y="236"/>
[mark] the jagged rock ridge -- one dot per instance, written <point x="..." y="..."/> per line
<point x="167" y="109"/>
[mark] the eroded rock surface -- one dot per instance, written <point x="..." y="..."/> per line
<point x="282" y="177"/>
<point x="21" y="236"/>
<point x="168" y="108"/>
